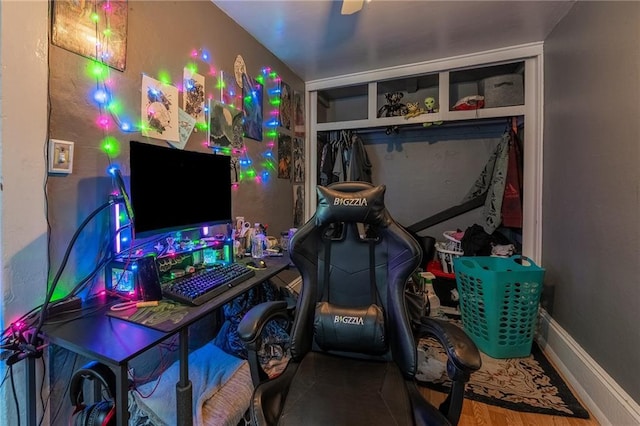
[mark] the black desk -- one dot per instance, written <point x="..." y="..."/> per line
<point x="115" y="342"/>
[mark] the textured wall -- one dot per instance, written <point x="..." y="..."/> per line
<point x="161" y="37"/>
<point x="591" y="227"/>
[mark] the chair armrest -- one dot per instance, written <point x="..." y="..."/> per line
<point x="250" y="330"/>
<point x="254" y="320"/>
<point x="463" y="359"/>
<point x="459" y="347"/>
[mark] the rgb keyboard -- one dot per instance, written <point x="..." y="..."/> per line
<point x="205" y="284"/>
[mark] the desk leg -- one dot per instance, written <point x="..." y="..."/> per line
<point x="184" y="394"/>
<point x="31" y="391"/>
<point x="122" y="395"/>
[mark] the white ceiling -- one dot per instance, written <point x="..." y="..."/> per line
<point x="317" y="42"/>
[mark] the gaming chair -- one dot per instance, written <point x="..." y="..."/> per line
<point x="101" y="413"/>
<point x="353" y="346"/>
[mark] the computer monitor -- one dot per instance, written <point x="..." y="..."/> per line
<point x="174" y="190"/>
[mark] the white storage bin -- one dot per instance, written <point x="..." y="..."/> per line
<point x="503" y="90"/>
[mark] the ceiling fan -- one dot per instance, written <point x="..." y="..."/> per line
<point x="349" y="7"/>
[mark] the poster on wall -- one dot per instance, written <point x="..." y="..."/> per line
<point x="159" y="110"/>
<point x="230" y="92"/>
<point x="186" y="123"/>
<point x="298" y="160"/>
<point x="94" y="29"/>
<point x="298" y="114"/>
<point x="225" y="125"/>
<point x="298" y="206"/>
<point x="285" y="105"/>
<point x="252" y="106"/>
<point x="284" y="156"/>
<point x="193" y="95"/>
<point x="235" y="170"/>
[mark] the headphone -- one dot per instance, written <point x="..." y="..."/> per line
<point x="101" y="413"/>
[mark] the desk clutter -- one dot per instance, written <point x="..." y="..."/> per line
<point x="218" y="370"/>
<point x="222" y="391"/>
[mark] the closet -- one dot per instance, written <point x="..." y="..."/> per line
<point x="430" y="160"/>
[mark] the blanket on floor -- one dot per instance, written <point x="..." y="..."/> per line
<point x="209" y="369"/>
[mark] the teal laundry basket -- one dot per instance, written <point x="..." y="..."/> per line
<point x="499" y="300"/>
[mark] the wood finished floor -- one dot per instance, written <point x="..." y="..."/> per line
<point x="478" y="414"/>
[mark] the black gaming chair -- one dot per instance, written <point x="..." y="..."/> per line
<point x="353" y="349"/>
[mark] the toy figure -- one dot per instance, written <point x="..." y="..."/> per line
<point x="413" y="110"/>
<point x="430" y="107"/>
<point x="393" y="108"/>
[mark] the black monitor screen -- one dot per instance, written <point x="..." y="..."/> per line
<point x="174" y="189"/>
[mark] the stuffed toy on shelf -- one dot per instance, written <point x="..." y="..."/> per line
<point x="430" y="108"/>
<point x="393" y="108"/>
<point x="413" y="110"/>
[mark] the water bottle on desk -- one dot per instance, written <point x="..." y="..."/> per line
<point x="257" y="242"/>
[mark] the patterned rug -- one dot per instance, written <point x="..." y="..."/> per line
<point x="528" y="384"/>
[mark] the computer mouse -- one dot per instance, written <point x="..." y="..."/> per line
<point x="259" y="264"/>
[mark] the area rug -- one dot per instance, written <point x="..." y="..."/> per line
<point x="528" y="384"/>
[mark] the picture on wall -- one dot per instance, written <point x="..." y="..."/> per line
<point x="76" y="29"/>
<point x="298" y="113"/>
<point x="284" y="156"/>
<point x="298" y="206"/>
<point x="193" y="95"/>
<point x="298" y="160"/>
<point x="235" y="169"/>
<point x="230" y="92"/>
<point x="252" y="106"/>
<point x="286" y="101"/>
<point x="186" y="124"/>
<point x="225" y="125"/>
<point x="159" y="110"/>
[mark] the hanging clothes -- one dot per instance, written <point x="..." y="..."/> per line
<point x="512" y="200"/>
<point x="360" y="168"/>
<point x="492" y="180"/>
<point x="326" y="163"/>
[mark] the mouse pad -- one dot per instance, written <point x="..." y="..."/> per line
<point x="164" y="317"/>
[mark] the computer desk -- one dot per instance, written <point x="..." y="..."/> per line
<point x="114" y="342"/>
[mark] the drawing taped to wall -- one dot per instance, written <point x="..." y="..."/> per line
<point x="252" y="106"/>
<point x="230" y="92"/>
<point x="298" y="114"/>
<point x="158" y="110"/>
<point x="193" y="95"/>
<point x="298" y="160"/>
<point x="284" y="156"/>
<point x="186" y="124"/>
<point x="94" y="29"/>
<point x="298" y="206"/>
<point x="286" y="109"/>
<point x="225" y="125"/>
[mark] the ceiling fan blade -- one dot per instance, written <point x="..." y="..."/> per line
<point x="350" y="7"/>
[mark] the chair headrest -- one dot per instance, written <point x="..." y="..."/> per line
<point x="352" y="202"/>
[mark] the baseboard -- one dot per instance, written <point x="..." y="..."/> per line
<point x="604" y="398"/>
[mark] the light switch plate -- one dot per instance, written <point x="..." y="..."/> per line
<point x="60" y="156"/>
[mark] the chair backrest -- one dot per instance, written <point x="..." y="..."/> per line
<point x="353" y="256"/>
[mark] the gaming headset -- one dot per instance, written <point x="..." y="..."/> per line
<point x="101" y="413"/>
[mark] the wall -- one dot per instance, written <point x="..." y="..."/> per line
<point x="591" y="227"/>
<point x="429" y="170"/>
<point x="161" y="37"/>
<point x="23" y="136"/>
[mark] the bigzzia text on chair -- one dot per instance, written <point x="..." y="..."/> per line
<point x="355" y="261"/>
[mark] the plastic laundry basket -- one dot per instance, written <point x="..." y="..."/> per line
<point x="499" y="300"/>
